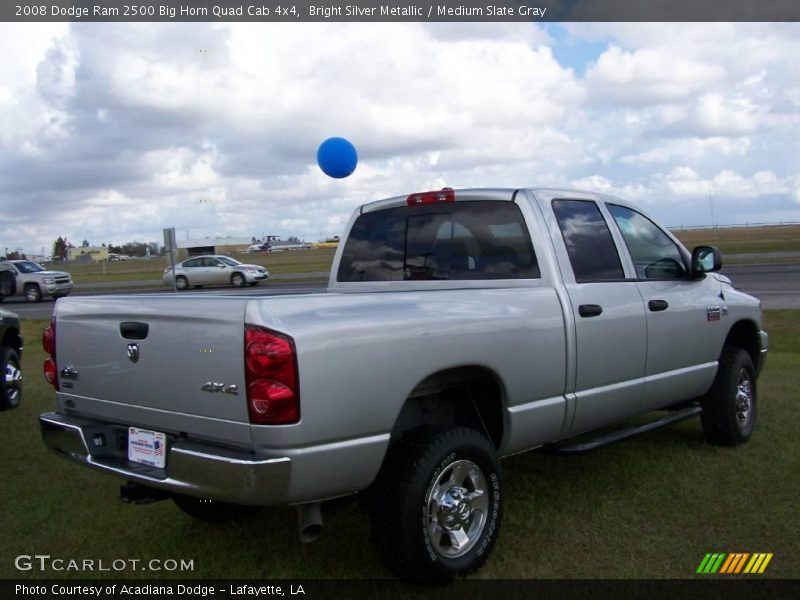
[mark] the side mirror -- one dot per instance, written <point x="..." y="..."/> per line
<point x="705" y="259"/>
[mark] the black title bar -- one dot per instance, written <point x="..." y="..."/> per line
<point x="373" y="11"/>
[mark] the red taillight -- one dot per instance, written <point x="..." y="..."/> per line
<point x="50" y="371"/>
<point x="50" y="366"/>
<point x="49" y="340"/>
<point x="445" y="195"/>
<point x="271" y="370"/>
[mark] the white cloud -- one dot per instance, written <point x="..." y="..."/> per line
<point x="603" y="185"/>
<point x="694" y="148"/>
<point x="685" y="181"/>
<point x="650" y="76"/>
<point x="113" y="131"/>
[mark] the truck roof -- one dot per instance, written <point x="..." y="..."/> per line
<point x="483" y="194"/>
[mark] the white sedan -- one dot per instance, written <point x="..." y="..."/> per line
<point x="213" y="270"/>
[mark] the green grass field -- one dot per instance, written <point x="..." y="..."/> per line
<point x="648" y="507"/>
<point x="305" y="261"/>
<point x="744" y="240"/>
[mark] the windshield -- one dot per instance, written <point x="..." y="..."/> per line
<point x="28" y="266"/>
<point x="229" y="261"/>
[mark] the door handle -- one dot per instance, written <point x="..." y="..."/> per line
<point x="133" y="330"/>
<point x="658" y="305"/>
<point x="590" y="310"/>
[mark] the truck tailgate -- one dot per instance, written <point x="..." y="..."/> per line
<point x="155" y="354"/>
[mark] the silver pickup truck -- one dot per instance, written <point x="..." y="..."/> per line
<point x="32" y="280"/>
<point x="458" y="327"/>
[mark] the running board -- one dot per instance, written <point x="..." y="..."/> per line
<point x="622" y="434"/>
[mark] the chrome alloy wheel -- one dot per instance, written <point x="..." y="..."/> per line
<point x="744" y="399"/>
<point x="13" y="383"/>
<point x="457" y="504"/>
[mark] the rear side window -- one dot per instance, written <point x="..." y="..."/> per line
<point x="590" y="247"/>
<point x="460" y="241"/>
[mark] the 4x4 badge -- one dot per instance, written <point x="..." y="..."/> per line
<point x="133" y="352"/>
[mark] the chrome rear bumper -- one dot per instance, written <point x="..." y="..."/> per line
<point x="191" y="468"/>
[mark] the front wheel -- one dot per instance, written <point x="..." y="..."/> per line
<point x="11" y="384"/>
<point x="437" y="503"/>
<point x="237" y="280"/>
<point x="729" y="407"/>
<point x="33" y="293"/>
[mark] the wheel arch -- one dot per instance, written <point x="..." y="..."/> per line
<point x="744" y="334"/>
<point x="13" y="339"/>
<point x="469" y="395"/>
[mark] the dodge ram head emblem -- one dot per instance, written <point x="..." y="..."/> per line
<point x="133" y="352"/>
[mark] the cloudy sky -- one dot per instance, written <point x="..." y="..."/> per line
<point x="111" y="132"/>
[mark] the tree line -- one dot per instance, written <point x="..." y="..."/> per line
<point x="62" y="245"/>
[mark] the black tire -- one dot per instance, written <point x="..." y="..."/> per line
<point x="237" y="280"/>
<point x="181" y="283"/>
<point x="418" y="503"/>
<point x="210" y="511"/>
<point x="33" y="293"/>
<point x="11" y="380"/>
<point x="729" y="407"/>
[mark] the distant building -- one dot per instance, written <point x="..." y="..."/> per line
<point x="208" y="245"/>
<point x="87" y="254"/>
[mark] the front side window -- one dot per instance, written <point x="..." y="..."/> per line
<point x="590" y="247"/>
<point x="654" y="254"/>
<point x="460" y="241"/>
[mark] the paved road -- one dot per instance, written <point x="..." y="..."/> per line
<point x="777" y="285"/>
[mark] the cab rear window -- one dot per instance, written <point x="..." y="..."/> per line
<point x="459" y="241"/>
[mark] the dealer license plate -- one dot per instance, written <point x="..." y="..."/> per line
<point x="147" y="447"/>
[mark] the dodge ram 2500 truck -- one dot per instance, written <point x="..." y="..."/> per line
<point x="458" y="327"/>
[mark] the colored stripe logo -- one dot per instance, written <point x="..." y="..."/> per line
<point x="734" y="563"/>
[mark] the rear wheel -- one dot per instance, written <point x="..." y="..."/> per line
<point x="237" y="280"/>
<point x="729" y="407"/>
<point x="33" y="293"/>
<point x="437" y="503"/>
<point x="11" y="383"/>
<point x="181" y="282"/>
<point x="210" y="510"/>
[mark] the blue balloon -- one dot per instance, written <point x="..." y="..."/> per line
<point x="337" y="157"/>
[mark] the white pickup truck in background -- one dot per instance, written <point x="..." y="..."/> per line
<point x="459" y="327"/>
